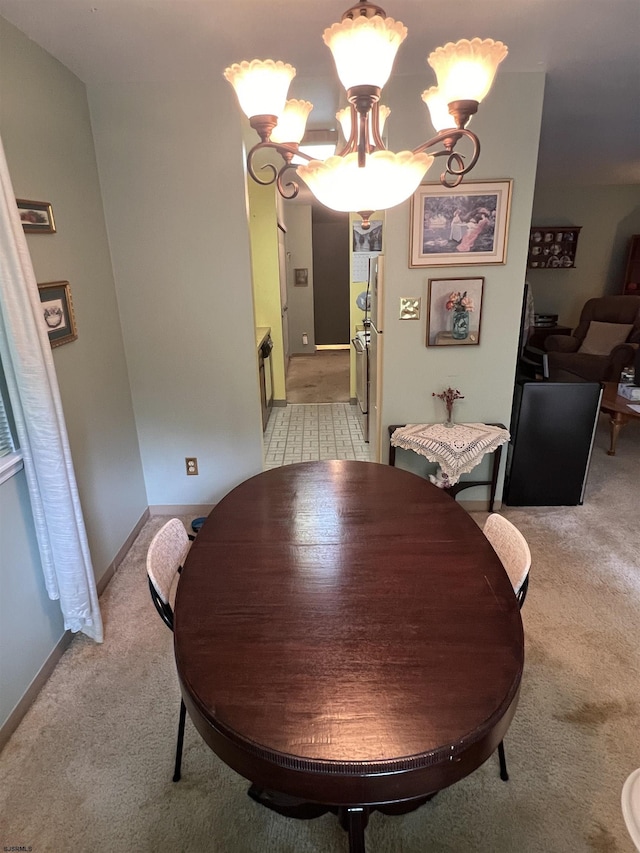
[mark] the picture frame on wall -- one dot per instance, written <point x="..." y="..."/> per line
<point x="57" y="312"/>
<point x="465" y="225"/>
<point x="553" y="247"/>
<point x="454" y="311"/>
<point x="36" y="216"/>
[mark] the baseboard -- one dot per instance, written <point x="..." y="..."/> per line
<point x="281" y="403"/>
<point x="15" y="717"/>
<point x="353" y="401"/>
<point x="181" y="509"/>
<point x="111" y="569"/>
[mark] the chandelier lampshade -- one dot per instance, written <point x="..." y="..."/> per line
<point x="261" y="86"/>
<point x="355" y="40"/>
<point x="438" y="107"/>
<point x="386" y="180"/>
<point x="466" y="69"/>
<point x="293" y="121"/>
<point x="365" y="176"/>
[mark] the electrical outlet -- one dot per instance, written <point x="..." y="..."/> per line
<point x="192" y="465"/>
<point x="305" y="339"/>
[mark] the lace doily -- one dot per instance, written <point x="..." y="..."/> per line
<point x="456" y="450"/>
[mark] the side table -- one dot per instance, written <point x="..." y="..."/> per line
<point x="539" y="333"/>
<point x="457" y="487"/>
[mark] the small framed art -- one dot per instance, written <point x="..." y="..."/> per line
<point x="454" y="311"/>
<point x="466" y="225"/>
<point x="36" y="216"/>
<point x="57" y="312"/>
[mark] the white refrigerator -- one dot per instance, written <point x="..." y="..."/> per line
<point x="376" y="322"/>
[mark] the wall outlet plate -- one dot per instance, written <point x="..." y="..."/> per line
<point x="409" y="308"/>
<point x="192" y="466"/>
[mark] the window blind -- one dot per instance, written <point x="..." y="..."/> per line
<point x="6" y="440"/>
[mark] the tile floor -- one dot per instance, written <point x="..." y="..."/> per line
<point x="310" y="431"/>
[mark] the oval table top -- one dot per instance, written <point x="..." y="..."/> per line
<point x="345" y="633"/>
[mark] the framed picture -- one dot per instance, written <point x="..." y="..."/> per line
<point x="57" y="312"/>
<point x="36" y="216"/>
<point x="465" y="225"/>
<point x="301" y="277"/>
<point x="369" y="239"/>
<point x="553" y="247"/>
<point x="454" y="311"/>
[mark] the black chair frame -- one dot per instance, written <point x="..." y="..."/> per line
<point x="166" y="614"/>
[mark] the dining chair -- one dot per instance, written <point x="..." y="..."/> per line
<point x="513" y="551"/>
<point x="165" y="557"/>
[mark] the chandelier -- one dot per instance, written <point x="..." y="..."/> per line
<point x="365" y="176"/>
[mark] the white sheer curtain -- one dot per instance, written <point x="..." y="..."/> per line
<point x="37" y="411"/>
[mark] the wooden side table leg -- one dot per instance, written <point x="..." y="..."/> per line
<point x="616" y="422"/>
<point x="354" y="819"/>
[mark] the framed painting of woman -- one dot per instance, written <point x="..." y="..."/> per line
<point x="464" y="225"/>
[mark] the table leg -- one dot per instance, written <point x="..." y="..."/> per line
<point x="354" y="819"/>
<point x="616" y="422"/>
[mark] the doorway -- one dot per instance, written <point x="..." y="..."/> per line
<point x="323" y="375"/>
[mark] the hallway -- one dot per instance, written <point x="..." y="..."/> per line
<point x="303" y="433"/>
<point x="319" y="378"/>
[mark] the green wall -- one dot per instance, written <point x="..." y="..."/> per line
<point x="508" y="125"/>
<point x="608" y="216"/>
<point x="171" y="167"/>
<point x="45" y="127"/>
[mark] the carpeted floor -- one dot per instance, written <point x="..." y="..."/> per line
<point x="89" y="769"/>
<point x="319" y="378"/>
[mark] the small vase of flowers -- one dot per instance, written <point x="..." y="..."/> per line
<point x="448" y="397"/>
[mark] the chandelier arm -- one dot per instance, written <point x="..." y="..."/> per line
<point x="362" y="139"/>
<point x="351" y="143"/>
<point x="287" y="152"/>
<point x="449" y="138"/>
<point x="287" y="189"/>
<point x="456" y="173"/>
<point x="375" y="126"/>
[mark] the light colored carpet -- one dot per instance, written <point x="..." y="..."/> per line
<point x="319" y="378"/>
<point x="89" y="769"/>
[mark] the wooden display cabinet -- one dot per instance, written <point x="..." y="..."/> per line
<point x="631" y="285"/>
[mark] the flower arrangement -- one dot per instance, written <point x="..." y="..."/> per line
<point x="459" y="302"/>
<point x="449" y="396"/>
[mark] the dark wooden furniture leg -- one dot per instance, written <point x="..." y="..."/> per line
<point x="354" y="819"/>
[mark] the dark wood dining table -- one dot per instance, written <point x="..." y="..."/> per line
<point x="347" y="640"/>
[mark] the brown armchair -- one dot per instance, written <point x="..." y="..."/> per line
<point x="584" y="356"/>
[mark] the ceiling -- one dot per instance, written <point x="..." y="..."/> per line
<point x="588" y="49"/>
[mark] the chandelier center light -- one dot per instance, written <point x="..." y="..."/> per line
<point x="364" y="176"/>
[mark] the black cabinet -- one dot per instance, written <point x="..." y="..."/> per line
<point x="552" y="430"/>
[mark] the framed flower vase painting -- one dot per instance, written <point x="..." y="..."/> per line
<point x="465" y="225"/>
<point x="57" y="312"/>
<point x="454" y="311"/>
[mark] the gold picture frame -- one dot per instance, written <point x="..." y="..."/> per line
<point x="57" y="312"/>
<point x="454" y="311"/>
<point x="464" y="225"/>
<point x="36" y="216"/>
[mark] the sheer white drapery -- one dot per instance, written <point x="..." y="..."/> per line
<point x="37" y="411"/>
